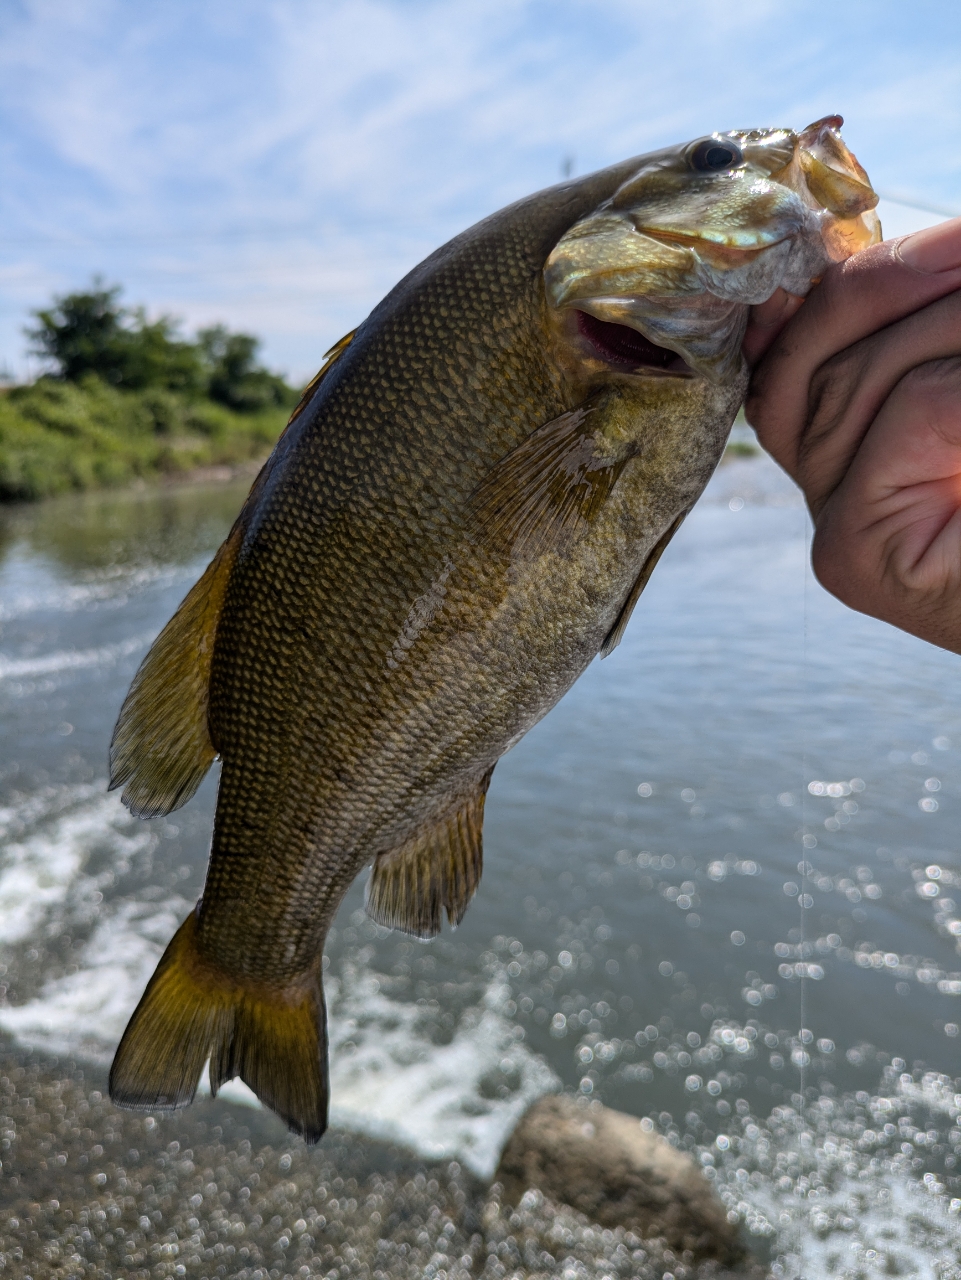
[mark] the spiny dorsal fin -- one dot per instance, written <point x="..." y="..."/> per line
<point x="546" y="491"/>
<point x="161" y="747"/>
<point x="616" y="633"/>
<point x="439" y="867"/>
<point x="274" y="1038"/>
<point x="330" y="359"/>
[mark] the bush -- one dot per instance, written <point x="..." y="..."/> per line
<point x="88" y="333"/>
<point x="234" y="379"/>
<point x="57" y="436"/>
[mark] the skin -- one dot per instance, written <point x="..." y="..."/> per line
<point x="857" y="394"/>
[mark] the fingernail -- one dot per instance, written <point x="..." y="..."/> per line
<point x="933" y="249"/>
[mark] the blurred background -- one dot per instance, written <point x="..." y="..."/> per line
<point x="722" y="879"/>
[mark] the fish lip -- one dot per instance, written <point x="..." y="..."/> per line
<point x="711" y="242"/>
<point x="596" y="333"/>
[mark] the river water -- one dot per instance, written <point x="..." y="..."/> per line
<point x="722" y="885"/>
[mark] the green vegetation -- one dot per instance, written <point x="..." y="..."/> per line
<point x="741" y="449"/>
<point x="129" y="398"/>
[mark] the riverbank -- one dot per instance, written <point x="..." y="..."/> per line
<point x="59" y="437"/>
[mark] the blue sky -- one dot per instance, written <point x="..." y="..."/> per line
<point x="278" y="165"/>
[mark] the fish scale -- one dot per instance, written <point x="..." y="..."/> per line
<point x="459" y="517"/>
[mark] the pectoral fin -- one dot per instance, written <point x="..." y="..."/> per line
<point x="546" y="492"/>
<point x="439" y="867"/>
<point x="616" y="633"/>
<point x="161" y="747"/>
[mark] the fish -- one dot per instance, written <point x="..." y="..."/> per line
<point x="460" y="516"/>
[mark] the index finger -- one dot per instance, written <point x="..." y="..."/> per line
<point x="854" y="299"/>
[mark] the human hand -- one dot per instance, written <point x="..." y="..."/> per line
<point x="857" y="394"/>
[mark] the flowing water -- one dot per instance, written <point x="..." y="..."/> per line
<point x="722" y="885"/>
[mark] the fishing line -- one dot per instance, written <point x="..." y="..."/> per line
<point x="802" y="867"/>
<point x="801" y="1054"/>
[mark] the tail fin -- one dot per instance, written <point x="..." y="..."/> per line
<point x="275" y="1040"/>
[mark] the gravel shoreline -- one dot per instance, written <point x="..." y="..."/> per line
<point x="90" y="1191"/>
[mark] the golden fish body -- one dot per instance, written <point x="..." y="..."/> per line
<point x="460" y="516"/>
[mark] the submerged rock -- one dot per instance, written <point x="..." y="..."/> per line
<point x="602" y="1163"/>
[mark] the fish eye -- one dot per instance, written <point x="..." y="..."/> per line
<point x="712" y="156"/>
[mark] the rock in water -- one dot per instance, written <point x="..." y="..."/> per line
<point x="602" y="1163"/>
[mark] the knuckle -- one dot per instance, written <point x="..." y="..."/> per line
<point x="834" y="408"/>
<point x="755" y="408"/>
<point x="931" y="392"/>
<point x="832" y="571"/>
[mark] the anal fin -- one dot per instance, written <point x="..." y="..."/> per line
<point x="161" y="747"/>
<point x="616" y="633"/>
<point x="439" y="867"/>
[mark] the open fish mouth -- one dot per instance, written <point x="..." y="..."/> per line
<point x="627" y="349"/>
<point x="699" y="234"/>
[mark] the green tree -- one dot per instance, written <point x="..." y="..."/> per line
<point x="88" y="332"/>
<point x="234" y="377"/>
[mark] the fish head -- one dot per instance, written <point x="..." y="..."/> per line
<point x="657" y="281"/>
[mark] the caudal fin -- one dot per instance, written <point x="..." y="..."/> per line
<point x="275" y="1040"/>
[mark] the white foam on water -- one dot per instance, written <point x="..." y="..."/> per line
<point x="108" y="588"/>
<point x="458" y="1101"/>
<point x="71" y="659"/>
<point x="869" y="1230"/>
<point x="832" y="1201"/>
<point x="388" y="1080"/>
<point x="38" y="872"/>
<point x="84" y="1013"/>
<point x="836" y="1196"/>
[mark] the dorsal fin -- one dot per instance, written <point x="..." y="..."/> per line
<point x="438" y="867"/>
<point x="161" y="746"/>
<point x="616" y="633"/>
<point x="330" y="359"/>
<point x="545" y="492"/>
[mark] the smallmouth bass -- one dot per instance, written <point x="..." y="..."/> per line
<point x="462" y="512"/>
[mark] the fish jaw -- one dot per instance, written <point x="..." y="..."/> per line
<point x="679" y="255"/>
